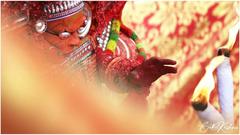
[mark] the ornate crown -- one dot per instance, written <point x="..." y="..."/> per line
<point x="62" y="9"/>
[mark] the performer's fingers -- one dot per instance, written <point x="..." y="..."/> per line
<point x="168" y="69"/>
<point x="158" y="61"/>
<point x="168" y="61"/>
<point x="152" y="61"/>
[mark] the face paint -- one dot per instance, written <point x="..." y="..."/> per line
<point x="64" y="33"/>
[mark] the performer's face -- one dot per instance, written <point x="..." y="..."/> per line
<point x="71" y="25"/>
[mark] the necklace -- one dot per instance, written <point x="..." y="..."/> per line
<point x="110" y="36"/>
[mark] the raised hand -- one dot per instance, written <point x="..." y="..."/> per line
<point x="150" y="70"/>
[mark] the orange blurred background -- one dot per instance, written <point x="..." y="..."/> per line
<point x="35" y="100"/>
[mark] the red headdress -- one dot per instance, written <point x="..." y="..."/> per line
<point x="102" y="11"/>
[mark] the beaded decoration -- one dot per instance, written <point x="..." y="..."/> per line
<point x="114" y="35"/>
<point x="116" y="26"/>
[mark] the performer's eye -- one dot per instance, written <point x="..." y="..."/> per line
<point x="83" y="31"/>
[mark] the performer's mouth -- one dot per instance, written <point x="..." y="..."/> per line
<point x="79" y="54"/>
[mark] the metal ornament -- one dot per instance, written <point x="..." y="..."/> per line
<point x="64" y="35"/>
<point x="83" y="31"/>
<point x="40" y="26"/>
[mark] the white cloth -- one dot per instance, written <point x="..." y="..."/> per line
<point x="225" y="94"/>
<point x="210" y="114"/>
<point x="225" y="90"/>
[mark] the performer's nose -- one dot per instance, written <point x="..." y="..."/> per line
<point x="74" y="39"/>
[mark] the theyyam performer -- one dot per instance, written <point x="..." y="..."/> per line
<point x="89" y="37"/>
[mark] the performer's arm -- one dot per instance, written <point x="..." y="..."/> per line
<point x="130" y="73"/>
